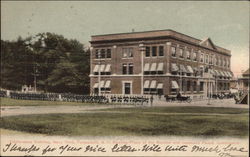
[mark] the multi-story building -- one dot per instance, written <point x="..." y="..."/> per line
<point x="243" y="81"/>
<point x="161" y="62"/>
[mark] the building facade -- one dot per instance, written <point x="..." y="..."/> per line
<point x="162" y="62"/>
<point x="243" y="82"/>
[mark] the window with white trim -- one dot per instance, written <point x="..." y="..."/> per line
<point x="161" y="51"/>
<point x="188" y="55"/>
<point x="195" y="56"/>
<point x="173" y="51"/>
<point x="147" y="54"/>
<point x="127" y="52"/>
<point x="181" y="55"/>
<point x="201" y="57"/>
<point x="206" y="59"/>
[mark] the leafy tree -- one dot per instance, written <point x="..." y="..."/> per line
<point x="60" y="64"/>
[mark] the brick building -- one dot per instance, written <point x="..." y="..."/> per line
<point x="160" y="62"/>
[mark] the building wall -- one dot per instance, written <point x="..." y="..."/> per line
<point x="117" y="60"/>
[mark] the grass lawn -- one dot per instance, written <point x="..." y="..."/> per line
<point x="137" y="122"/>
<point x="186" y="109"/>
<point x="19" y="102"/>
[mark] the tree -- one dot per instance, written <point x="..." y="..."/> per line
<point x="60" y="64"/>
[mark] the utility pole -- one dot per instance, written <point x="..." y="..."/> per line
<point x="99" y="73"/>
<point x="209" y="86"/>
<point x="142" y="49"/>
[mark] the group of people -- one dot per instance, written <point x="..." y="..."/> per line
<point x="34" y="96"/>
<point x="69" y="97"/>
<point x="83" y="98"/>
<point x="131" y="99"/>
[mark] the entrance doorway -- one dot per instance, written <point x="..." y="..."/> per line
<point x="127" y="88"/>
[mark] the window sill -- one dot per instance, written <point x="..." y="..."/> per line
<point x="127" y="57"/>
<point x="103" y="59"/>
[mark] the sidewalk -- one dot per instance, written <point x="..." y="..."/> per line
<point x="204" y="103"/>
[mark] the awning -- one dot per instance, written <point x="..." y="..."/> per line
<point x="212" y="72"/>
<point x="183" y="69"/>
<point x="222" y="74"/>
<point x="102" y="68"/>
<point x="231" y="74"/>
<point x="216" y="73"/>
<point x="107" y="84"/>
<point x="153" y="84"/>
<point x="174" y="85"/>
<point x="153" y="67"/>
<point x="160" y="67"/>
<point x="96" y="68"/>
<point x="190" y="69"/>
<point x="95" y="85"/>
<point x="174" y="67"/>
<point x="102" y="84"/>
<point x="159" y="86"/>
<point x="146" y="67"/>
<point x="226" y="73"/>
<point x="146" y="84"/>
<point x="107" y="68"/>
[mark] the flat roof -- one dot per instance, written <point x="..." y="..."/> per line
<point x="149" y="34"/>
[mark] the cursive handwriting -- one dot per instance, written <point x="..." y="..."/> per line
<point x="96" y="148"/>
<point x="221" y="151"/>
<point x="48" y="149"/>
<point x="123" y="148"/>
<point x="233" y="148"/>
<point x="14" y="147"/>
<point x="69" y="148"/>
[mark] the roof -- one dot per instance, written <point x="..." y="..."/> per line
<point x="155" y="34"/>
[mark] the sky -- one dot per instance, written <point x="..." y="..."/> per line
<point x="226" y="23"/>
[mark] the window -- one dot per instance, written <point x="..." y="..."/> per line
<point x="225" y="63"/>
<point x="124" y="68"/>
<point x="160" y="68"/>
<point x="103" y="55"/>
<point x="161" y="51"/>
<point x="188" y="85"/>
<point x="124" y="53"/>
<point x="130" y="68"/>
<point x="108" y="53"/>
<point x="206" y="59"/>
<point x="228" y="64"/>
<point x="154" y="51"/>
<point x="130" y="52"/>
<point x="127" y="52"/>
<point x="194" y="86"/>
<point x="188" y="55"/>
<point x="147" y="52"/>
<point x="173" y="51"/>
<point x="221" y="63"/>
<point x="210" y="59"/>
<point x="127" y="68"/>
<point x="215" y="61"/>
<point x="202" y="58"/>
<point x="127" y="88"/>
<point x="201" y="86"/>
<point x="97" y="53"/>
<point x="181" y="53"/>
<point x="195" y="56"/>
